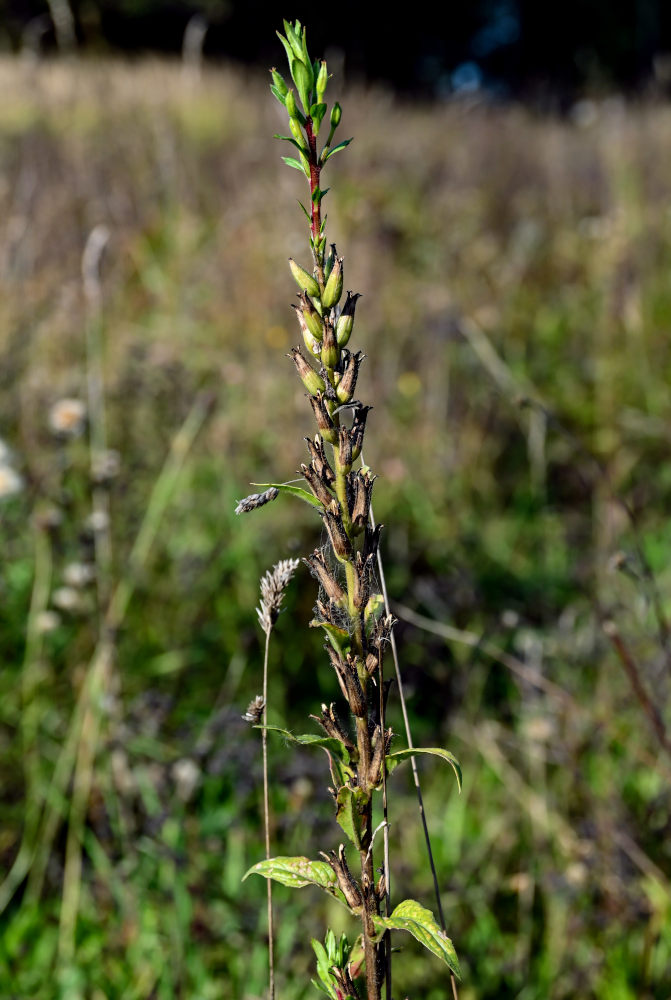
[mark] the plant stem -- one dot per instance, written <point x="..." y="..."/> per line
<point x="266" y="821"/>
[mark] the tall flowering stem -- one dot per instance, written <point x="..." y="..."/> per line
<point x="349" y="608"/>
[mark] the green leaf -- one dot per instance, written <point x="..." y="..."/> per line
<point x="350" y="812"/>
<point x="305" y="211"/>
<point x="338" y="637"/>
<point x="336" y="149"/>
<point x="287" y="47"/>
<point x="297" y="872"/>
<point x="411" y="916"/>
<point x="278" y="94"/>
<point x="291" y="162"/>
<point x="295" y="491"/>
<point x="289" y="138"/>
<point x="317" y="112"/>
<point x="394" y="759"/>
<point x="329" y="743"/>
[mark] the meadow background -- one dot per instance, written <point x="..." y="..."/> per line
<point x="515" y="314"/>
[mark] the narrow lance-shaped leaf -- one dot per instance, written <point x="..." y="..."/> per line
<point x="329" y="743"/>
<point x="411" y="916"/>
<point x="296" y="872"/>
<point x="394" y="759"/>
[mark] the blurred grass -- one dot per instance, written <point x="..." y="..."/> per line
<point x="515" y="316"/>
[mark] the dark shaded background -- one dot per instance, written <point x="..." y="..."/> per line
<point x="517" y="48"/>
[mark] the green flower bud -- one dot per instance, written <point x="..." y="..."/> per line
<point x="336" y="115"/>
<point x="305" y="281"/>
<point x="290" y="104"/>
<point x="333" y="289"/>
<point x="346" y="319"/>
<point x="279" y="82"/>
<point x="322" y="80"/>
<point x="311" y="316"/>
<point x="330" y="352"/>
<point x="308" y="376"/>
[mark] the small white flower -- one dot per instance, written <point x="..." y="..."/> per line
<point x="67" y="417"/>
<point x="11" y="482"/>
<point x="66" y="599"/>
<point x="78" y="574"/>
<point x="97" y="521"/>
<point x="106" y="466"/>
<point x="186" y="775"/>
<point x="47" y="621"/>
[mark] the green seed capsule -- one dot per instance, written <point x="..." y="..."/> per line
<point x="333" y="289"/>
<point x="330" y="352"/>
<point x="305" y="281"/>
<point x="346" y="319"/>
<point x="279" y="82"/>
<point x="308" y="376"/>
<point x="312" y="318"/>
<point x="336" y="115"/>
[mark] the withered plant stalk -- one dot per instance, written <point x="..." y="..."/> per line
<point x="350" y="608"/>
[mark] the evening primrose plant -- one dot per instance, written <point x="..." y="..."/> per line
<point x="350" y="609"/>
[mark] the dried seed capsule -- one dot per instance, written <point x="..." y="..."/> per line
<point x="355" y="695"/>
<point x="347" y="384"/>
<point x="371" y="540"/>
<point x="342" y="546"/>
<point x="344" y="456"/>
<point x="323" y="417"/>
<point x="346" y="319"/>
<point x="330" y="723"/>
<point x="333" y="288"/>
<point x="316" y="484"/>
<point x="358" y="429"/>
<point x="308" y="376"/>
<point x="303" y="279"/>
<point x="362" y="579"/>
<point x="361" y="485"/>
<point x="319" y="460"/>
<point x="330" y="352"/>
<point x="348" y="886"/>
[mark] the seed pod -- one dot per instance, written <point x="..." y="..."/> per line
<point x="338" y="665"/>
<point x="336" y="115"/>
<point x="330" y="352"/>
<point x="333" y="289"/>
<point x="349" y="887"/>
<point x="347" y="384"/>
<point x="304" y="280"/>
<point x="330" y="723"/>
<point x="344" y="456"/>
<point x="361" y="484"/>
<point x="330" y="261"/>
<point x="318" y="487"/>
<point x="371" y="540"/>
<point x="313" y="320"/>
<point x="346" y="319"/>
<point x="308" y="376"/>
<point x="323" y="418"/>
<point x="309" y="341"/>
<point x="322" y="80"/>
<point x="362" y="578"/>
<point x="355" y="695"/>
<point x="319" y="460"/>
<point x="358" y="429"/>
<point x="342" y="546"/>
<point x="375" y="768"/>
